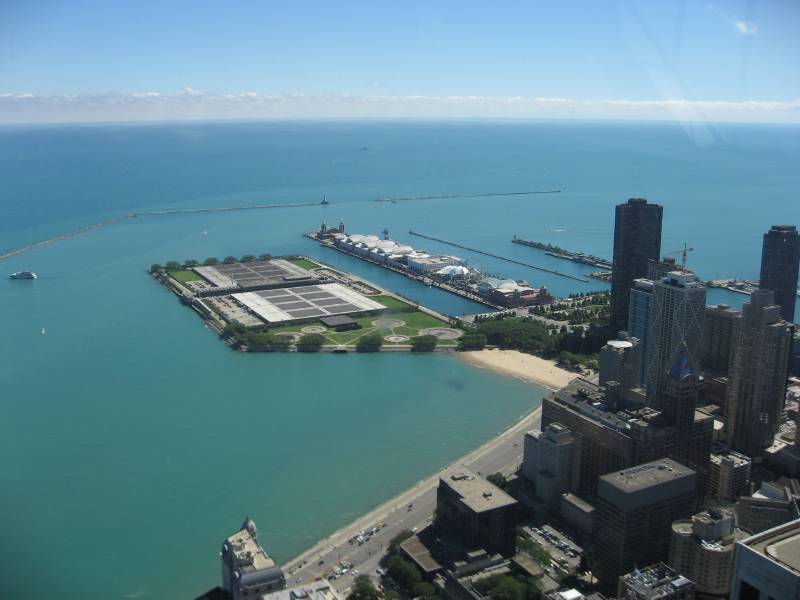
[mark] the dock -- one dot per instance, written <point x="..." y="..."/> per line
<point x="497" y="256"/>
<point x="413" y="276"/>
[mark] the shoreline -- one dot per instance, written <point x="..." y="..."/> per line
<point x="525" y="367"/>
<point x="409" y="495"/>
<point x="522" y="366"/>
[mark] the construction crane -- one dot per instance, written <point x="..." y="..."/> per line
<point x="683" y="253"/>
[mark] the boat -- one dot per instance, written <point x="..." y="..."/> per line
<point x="23" y="275"/>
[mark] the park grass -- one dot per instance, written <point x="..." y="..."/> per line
<point x="184" y="276"/>
<point x="304" y="263"/>
<point x="415" y="321"/>
<point x="393" y="304"/>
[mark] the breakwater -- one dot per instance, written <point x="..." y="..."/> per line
<point x="481" y="195"/>
<point x="505" y="258"/>
<point x="555" y="251"/>
<point x="148" y="213"/>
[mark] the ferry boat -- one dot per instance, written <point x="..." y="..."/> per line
<point x="23" y="275"/>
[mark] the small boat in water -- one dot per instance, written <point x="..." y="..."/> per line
<point x="23" y="275"/>
<point x="44" y="331"/>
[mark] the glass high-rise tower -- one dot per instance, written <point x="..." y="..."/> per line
<point x="637" y="239"/>
<point x="780" y="259"/>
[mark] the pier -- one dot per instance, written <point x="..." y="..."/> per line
<point x="149" y="213"/>
<point x="451" y="196"/>
<point x="413" y="276"/>
<point x="505" y="258"/>
<point x="556" y="252"/>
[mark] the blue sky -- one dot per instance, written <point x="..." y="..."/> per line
<point x="413" y="53"/>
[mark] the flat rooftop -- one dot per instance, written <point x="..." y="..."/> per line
<point x="476" y="493"/>
<point x="306" y="302"/>
<point x="254" y="274"/>
<point x="420" y="555"/>
<point x="248" y="554"/>
<point x="781" y="544"/>
<point x="320" y="590"/>
<point x="647" y="484"/>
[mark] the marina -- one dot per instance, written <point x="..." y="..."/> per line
<point x="505" y="258"/>
<point x="446" y="272"/>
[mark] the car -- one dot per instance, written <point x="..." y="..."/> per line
<point x="414" y="529"/>
<point x="354" y="572"/>
<point x="321" y="562"/>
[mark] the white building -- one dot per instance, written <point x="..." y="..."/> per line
<point x="552" y="461"/>
<point x="767" y="565"/>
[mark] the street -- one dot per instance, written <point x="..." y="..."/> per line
<point x="411" y="509"/>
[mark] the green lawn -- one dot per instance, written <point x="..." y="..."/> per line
<point x="414" y="321"/>
<point x="304" y="264"/>
<point x="184" y="276"/>
<point x="391" y="303"/>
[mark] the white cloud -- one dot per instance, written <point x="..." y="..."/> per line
<point x="193" y="104"/>
<point x="745" y="27"/>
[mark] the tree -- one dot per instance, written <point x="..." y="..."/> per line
<point x="190" y="264"/>
<point x="248" y="258"/>
<point x="369" y="343"/>
<point x="403" y="572"/>
<point x="363" y="589"/>
<point x="423" y="589"/>
<point x="173" y="265"/>
<point x="472" y="341"/>
<point x="310" y="342"/>
<point x="399" y="539"/>
<point x="229" y="260"/>
<point x="155" y="267"/>
<point x="498" y="479"/>
<point x="211" y="261"/>
<point x="266" y="256"/>
<point x="423" y="343"/>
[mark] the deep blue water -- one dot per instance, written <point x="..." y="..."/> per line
<point x="133" y="441"/>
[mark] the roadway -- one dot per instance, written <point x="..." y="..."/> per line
<point x="412" y="509"/>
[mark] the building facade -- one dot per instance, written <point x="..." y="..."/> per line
<point x="780" y="259"/>
<point x="774" y="503"/>
<point x="616" y="434"/>
<point x="640" y="301"/>
<point x="474" y="514"/>
<point x="757" y="377"/>
<point x="675" y="332"/>
<point x="551" y="460"/>
<point x="718" y="338"/>
<point x="619" y="361"/>
<point x="247" y="570"/>
<point x="637" y="239"/>
<point x="635" y="509"/>
<point x="702" y="548"/>
<point x="729" y="473"/>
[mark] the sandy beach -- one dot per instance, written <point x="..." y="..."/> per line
<point x="522" y="366"/>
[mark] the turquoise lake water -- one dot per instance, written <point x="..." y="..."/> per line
<point x="133" y="441"/>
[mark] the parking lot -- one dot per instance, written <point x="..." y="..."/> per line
<point x="565" y="552"/>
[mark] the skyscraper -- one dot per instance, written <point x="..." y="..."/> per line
<point x="780" y="260"/>
<point x="641" y="300"/>
<point x="758" y="372"/>
<point x="635" y="510"/>
<point x="675" y="333"/>
<point x="637" y="239"/>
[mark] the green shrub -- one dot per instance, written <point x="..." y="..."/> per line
<point x="423" y="343"/>
<point x="369" y="343"/>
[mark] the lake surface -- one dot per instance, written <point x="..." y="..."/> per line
<point x="133" y="441"/>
